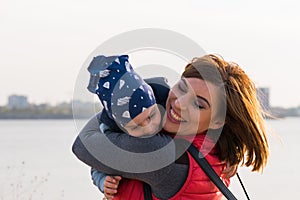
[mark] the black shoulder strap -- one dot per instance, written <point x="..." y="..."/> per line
<point x="209" y="171"/>
<point x="147" y="192"/>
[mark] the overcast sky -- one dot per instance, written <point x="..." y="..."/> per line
<point x="43" y="43"/>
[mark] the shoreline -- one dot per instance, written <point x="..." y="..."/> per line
<point x="40" y="116"/>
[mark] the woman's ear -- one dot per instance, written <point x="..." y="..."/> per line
<point x="216" y="124"/>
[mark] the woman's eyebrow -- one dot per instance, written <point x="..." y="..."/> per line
<point x="185" y="83"/>
<point x="199" y="97"/>
<point x="202" y="98"/>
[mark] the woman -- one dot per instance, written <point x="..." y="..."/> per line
<point x="214" y="106"/>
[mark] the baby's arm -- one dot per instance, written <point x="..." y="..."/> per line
<point x="95" y="149"/>
<point x="98" y="179"/>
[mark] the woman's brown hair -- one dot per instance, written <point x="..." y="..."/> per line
<point x="243" y="137"/>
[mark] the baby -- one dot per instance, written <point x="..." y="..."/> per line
<point x="126" y="98"/>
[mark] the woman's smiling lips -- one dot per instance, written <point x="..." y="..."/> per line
<point x="174" y="117"/>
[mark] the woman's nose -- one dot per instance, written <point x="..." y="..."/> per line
<point x="181" y="102"/>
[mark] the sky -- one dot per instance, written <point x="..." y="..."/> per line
<point x="45" y="44"/>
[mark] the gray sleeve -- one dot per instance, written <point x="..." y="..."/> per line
<point x="126" y="153"/>
<point x="150" y="160"/>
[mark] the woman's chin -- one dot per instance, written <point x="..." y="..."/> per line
<point x="170" y="127"/>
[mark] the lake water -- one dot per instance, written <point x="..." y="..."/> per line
<point x="280" y="178"/>
<point x="36" y="163"/>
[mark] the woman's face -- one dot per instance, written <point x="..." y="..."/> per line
<point x="189" y="107"/>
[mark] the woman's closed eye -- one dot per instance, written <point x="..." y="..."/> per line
<point x="182" y="86"/>
<point x="198" y="105"/>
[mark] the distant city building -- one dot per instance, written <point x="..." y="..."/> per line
<point x="263" y="95"/>
<point x="298" y="111"/>
<point x="17" y="102"/>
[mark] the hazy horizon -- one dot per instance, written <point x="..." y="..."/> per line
<point x="44" y="44"/>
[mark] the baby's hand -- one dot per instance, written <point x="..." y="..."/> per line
<point x="111" y="184"/>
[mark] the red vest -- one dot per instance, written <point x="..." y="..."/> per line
<point x="130" y="189"/>
<point x="197" y="186"/>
